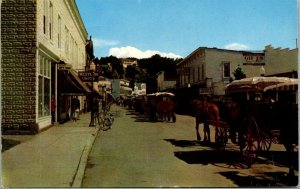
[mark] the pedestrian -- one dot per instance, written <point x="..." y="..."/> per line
<point x="75" y="105"/>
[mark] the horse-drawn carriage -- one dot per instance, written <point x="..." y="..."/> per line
<point x="260" y="110"/>
<point x="162" y="106"/>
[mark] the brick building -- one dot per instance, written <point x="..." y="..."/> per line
<point x="43" y="43"/>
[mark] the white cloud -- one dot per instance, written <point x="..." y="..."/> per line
<point x="128" y="51"/>
<point x="236" y="46"/>
<point x="102" y="42"/>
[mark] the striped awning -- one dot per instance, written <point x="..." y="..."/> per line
<point x="287" y="86"/>
<point x="69" y="84"/>
<point x="262" y="84"/>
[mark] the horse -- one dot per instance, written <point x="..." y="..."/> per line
<point x="205" y="111"/>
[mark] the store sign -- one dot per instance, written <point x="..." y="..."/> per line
<point x="254" y="59"/>
<point x="64" y="66"/>
<point x="88" y="76"/>
<point x="203" y="91"/>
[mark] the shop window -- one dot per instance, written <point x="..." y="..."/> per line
<point x="44" y="87"/>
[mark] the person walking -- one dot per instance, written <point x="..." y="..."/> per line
<point x="75" y="108"/>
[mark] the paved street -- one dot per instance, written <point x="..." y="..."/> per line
<point x="138" y="153"/>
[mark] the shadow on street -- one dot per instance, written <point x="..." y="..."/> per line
<point x="270" y="179"/>
<point x="233" y="159"/>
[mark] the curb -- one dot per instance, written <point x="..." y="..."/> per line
<point x="78" y="177"/>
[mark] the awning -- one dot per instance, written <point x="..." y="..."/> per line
<point x="69" y="84"/>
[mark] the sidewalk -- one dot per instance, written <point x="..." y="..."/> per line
<point x="53" y="158"/>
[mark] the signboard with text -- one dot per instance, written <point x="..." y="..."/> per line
<point x="88" y="76"/>
<point x="254" y="59"/>
<point x="64" y="66"/>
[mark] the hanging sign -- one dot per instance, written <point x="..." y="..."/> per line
<point x="88" y="76"/>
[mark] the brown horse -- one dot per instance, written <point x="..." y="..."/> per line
<point x="205" y="111"/>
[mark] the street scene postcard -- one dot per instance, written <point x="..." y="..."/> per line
<point x="149" y="93"/>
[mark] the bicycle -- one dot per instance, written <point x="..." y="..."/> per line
<point x="104" y="119"/>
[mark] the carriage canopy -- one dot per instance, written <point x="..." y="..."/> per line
<point x="262" y="84"/>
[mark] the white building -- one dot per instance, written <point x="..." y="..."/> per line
<point x="211" y="69"/>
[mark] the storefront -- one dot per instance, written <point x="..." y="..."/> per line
<point x="68" y="86"/>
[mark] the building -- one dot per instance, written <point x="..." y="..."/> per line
<point x="129" y="62"/>
<point x="209" y="70"/>
<point x="165" y="83"/>
<point x="43" y="43"/>
<point x="139" y="89"/>
<point x="120" y="87"/>
<point x="281" y="62"/>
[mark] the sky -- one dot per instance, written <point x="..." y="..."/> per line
<point x="175" y="28"/>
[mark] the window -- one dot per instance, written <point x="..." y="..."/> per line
<point x="66" y="40"/>
<point x="51" y="20"/>
<point x="59" y="32"/>
<point x="226" y="69"/>
<point x="202" y="74"/>
<point x="44" y="86"/>
<point x="193" y="75"/>
<point x="45" y="17"/>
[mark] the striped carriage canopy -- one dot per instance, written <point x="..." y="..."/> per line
<point x="262" y="84"/>
<point x="161" y="94"/>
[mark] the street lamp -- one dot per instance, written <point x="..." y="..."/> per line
<point x="92" y="69"/>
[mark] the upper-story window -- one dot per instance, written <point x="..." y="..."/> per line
<point x="226" y="69"/>
<point x="51" y="20"/>
<point x="59" y="32"/>
<point x="67" y="40"/>
<point x="45" y="17"/>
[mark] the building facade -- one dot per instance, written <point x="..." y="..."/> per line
<point x="281" y="61"/>
<point x="211" y="69"/>
<point x="164" y="83"/>
<point x="129" y="62"/>
<point x="120" y="87"/>
<point x="43" y="42"/>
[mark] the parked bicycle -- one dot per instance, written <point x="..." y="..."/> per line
<point x="104" y="118"/>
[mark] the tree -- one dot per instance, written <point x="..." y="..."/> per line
<point x="238" y="73"/>
<point x="115" y="70"/>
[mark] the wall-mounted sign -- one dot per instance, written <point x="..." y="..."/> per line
<point x="206" y="91"/>
<point x="256" y="59"/>
<point x="88" y="76"/>
<point x="64" y="66"/>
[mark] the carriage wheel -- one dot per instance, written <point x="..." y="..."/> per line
<point x="265" y="142"/>
<point x="221" y="136"/>
<point x="249" y="139"/>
